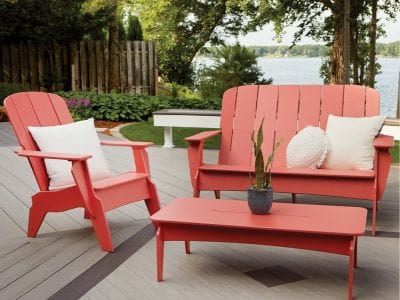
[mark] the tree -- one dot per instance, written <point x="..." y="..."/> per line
<point x="135" y="32"/>
<point x="234" y="65"/>
<point x="182" y="27"/>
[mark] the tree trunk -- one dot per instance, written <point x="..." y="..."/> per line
<point x="113" y="49"/>
<point x="372" y="43"/>
<point x="346" y="42"/>
<point x="340" y="55"/>
<point x="354" y="51"/>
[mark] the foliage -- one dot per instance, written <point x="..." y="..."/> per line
<point x="395" y="152"/>
<point x="182" y="27"/>
<point x="47" y="21"/>
<point x="7" y="89"/>
<point x="234" y="65"/>
<point x="178" y="91"/>
<point x="135" y="32"/>
<point x="262" y="170"/>
<point x="130" y="107"/>
<point x="80" y="108"/>
<point x="146" y="131"/>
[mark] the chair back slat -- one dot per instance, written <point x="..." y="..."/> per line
<point x="310" y="106"/>
<point x="354" y="101"/>
<point x="286" y="120"/>
<point x="35" y="109"/>
<point x="243" y="125"/>
<point x="226" y="124"/>
<point x="286" y="109"/>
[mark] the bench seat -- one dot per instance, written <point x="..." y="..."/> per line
<point x="293" y="171"/>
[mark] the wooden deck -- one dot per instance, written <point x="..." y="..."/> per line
<point x="66" y="247"/>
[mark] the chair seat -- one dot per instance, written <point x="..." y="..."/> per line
<point x="118" y="179"/>
<point x="293" y="171"/>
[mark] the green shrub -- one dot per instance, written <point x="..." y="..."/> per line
<point x="128" y="107"/>
<point x="7" y="89"/>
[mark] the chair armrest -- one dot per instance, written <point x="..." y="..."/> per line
<point x="52" y="155"/>
<point x="126" y="144"/>
<point x="139" y="152"/>
<point x="383" y="141"/>
<point x="202" y="136"/>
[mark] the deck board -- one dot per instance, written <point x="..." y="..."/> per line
<point x="66" y="246"/>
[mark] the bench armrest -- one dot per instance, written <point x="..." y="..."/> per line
<point x="383" y="141"/>
<point x="52" y="155"/>
<point x="126" y="144"/>
<point x="202" y="136"/>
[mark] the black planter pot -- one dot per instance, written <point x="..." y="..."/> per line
<point x="260" y="201"/>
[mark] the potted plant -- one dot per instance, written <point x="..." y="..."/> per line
<point x="260" y="194"/>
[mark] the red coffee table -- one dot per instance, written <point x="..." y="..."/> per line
<point x="332" y="229"/>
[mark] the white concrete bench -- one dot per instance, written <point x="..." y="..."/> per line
<point x="170" y="118"/>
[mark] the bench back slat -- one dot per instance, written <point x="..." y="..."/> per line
<point x="243" y="125"/>
<point x="286" y="120"/>
<point x="227" y="115"/>
<point x="354" y="101"/>
<point x="267" y="105"/>
<point x="310" y="106"/>
<point x="286" y="109"/>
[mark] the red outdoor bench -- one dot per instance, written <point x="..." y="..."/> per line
<point x="286" y="109"/>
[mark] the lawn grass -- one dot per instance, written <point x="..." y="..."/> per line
<point x="396" y="152"/>
<point x="145" y="131"/>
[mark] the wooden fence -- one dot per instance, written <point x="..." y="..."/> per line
<point x="79" y="66"/>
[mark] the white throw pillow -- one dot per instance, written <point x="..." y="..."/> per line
<point x="74" y="138"/>
<point x="307" y="149"/>
<point x="351" y="142"/>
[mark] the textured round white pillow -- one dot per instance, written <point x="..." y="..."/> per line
<point x="307" y="149"/>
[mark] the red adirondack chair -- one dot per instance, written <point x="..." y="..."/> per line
<point x="42" y="109"/>
<point x="286" y="109"/>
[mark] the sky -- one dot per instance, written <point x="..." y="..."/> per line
<point x="266" y="35"/>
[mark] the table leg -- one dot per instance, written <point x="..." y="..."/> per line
<point x="160" y="254"/>
<point x="187" y="247"/>
<point x="168" y="133"/>
<point x="351" y="267"/>
<point x="355" y="252"/>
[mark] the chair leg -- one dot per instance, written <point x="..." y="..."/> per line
<point x="36" y="217"/>
<point x="293" y="198"/>
<point x="217" y="194"/>
<point x="102" y="230"/>
<point x="86" y="215"/>
<point x="153" y="203"/>
<point x="187" y="247"/>
<point x="374" y="210"/>
<point x="196" y="193"/>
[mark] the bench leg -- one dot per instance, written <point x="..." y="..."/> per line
<point x="168" y="134"/>
<point x="160" y="254"/>
<point x="217" y="194"/>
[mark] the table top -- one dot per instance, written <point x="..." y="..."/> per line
<point x="306" y="218"/>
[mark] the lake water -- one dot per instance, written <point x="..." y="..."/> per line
<point x="306" y="71"/>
